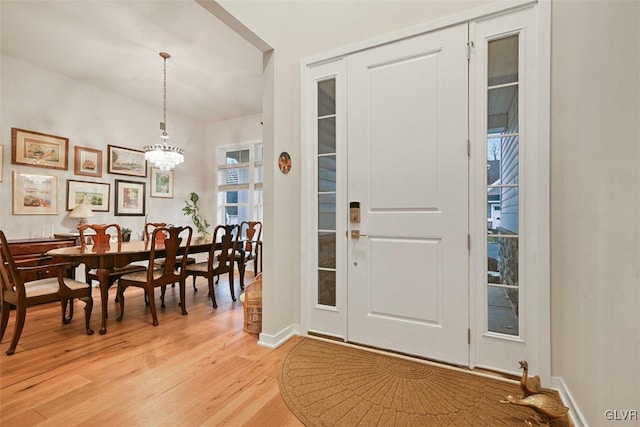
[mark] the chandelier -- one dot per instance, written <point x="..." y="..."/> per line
<point x="164" y="156"/>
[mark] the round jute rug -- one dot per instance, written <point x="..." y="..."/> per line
<point x="327" y="384"/>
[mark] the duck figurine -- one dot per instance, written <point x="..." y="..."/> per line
<point x="529" y="385"/>
<point x="546" y="406"/>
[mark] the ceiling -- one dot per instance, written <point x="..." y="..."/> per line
<point x="213" y="73"/>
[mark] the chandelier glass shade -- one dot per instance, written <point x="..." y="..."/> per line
<point x="163" y="155"/>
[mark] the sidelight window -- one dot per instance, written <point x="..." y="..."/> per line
<point x="326" y="191"/>
<point x="503" y="186"/>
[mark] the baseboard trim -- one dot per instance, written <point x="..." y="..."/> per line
<point x="575" y="414"/>
<point x="276" y="340"/>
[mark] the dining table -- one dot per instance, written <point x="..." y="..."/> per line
<point x="105" y="258"/>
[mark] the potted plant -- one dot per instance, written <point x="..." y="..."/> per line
<point x="126" y="234"/>
<point x="191" y="209"/>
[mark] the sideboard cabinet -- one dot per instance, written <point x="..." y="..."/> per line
<point x="33" y="252"/>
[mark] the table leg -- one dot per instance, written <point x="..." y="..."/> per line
<point x="103" y="278"/>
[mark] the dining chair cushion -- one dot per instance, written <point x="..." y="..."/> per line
<point x="190" y="260"/>
<point x="50" y="286"/>
<point x="141" y="276"/>
<point x="202" y="267"/>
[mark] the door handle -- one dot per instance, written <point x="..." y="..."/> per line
<point x="355" y="234"/>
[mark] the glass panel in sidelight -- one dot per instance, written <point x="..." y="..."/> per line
<point x="326" y="250"/>
<point x="503" y="310"/>
<point x="326" y="211"/>
<point x="502" y="107"/>
<point x="327" y="97"/>
<point x="326" y="173"/>
<point x="503" y="61"/>
<point x="327" y="135"/>
<point x="327" y="288"/>
<point x="502" y="260"/>
<point x="503" y="210"/>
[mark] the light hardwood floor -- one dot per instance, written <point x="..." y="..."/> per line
<point x="199" y="369"/>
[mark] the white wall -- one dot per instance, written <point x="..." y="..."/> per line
<point x="595" y="180"/>
<point x="595" y="240"/>
<point x="42" y="101"/>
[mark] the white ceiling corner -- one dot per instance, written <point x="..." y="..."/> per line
<point x="213" y="73"/>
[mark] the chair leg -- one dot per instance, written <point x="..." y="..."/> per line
<point x="231" y="287"/>
<point x="163" y="290"/>
<point x="88" y="307"/>
<point x="6" y="309"/>
<point x="241" y="268"/>
<point x="211" y="292"/>
<point x="17" y="331"/>
<point x="194" y="283"/>
<point x="66" y="318"/>
<point x="183" y="294"/>
<point x="120" y="301"/>
<point x="152" y="307"/>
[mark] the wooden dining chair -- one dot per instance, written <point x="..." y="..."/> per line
<point x="220" y="259"/>
<point x="251" y="233"/>
<point x="19" y="294"/>
<point x="170" y="273"/>
<point x="102" y="237"/>
<point x="149" y="228"/>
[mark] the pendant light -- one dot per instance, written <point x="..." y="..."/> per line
<point x="162" y="155"/>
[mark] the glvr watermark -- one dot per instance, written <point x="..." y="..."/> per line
<point x="621" y="414"/>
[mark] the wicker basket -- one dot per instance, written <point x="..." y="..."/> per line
<point x="253" y="306"/>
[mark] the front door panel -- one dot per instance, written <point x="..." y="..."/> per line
<point x="408" y="168"/>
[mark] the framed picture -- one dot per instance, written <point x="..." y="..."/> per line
<point x="130" y="198"/>
<point x="35" y="194"/>
<point x="161" y="183"/>
<point x="126" y="161"/>
<point x="39" y="149"/>
<point x="1" y="160"/>
<point x="95" y="194"/>
<point x="88" y="161"/>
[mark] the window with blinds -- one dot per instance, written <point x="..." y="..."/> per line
<point x="240" y="176"/>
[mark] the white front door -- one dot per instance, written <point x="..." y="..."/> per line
<point x="408" y="169"/>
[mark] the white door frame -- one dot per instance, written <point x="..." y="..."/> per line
<point x="539" y="269"/>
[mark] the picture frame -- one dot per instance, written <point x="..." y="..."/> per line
<point x="94" y="194"/>
<point x="161" y="183"/>
<point x="126" y="161"/>
<point x="35" y="194"/>
<point x="39" y="150"/>
<point x="130" y="198"/>
<point x="87" y="161"/>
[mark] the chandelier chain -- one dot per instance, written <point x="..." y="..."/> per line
<point x="164" y="100"/>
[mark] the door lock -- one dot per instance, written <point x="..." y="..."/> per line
<point x="355" y="234"/>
